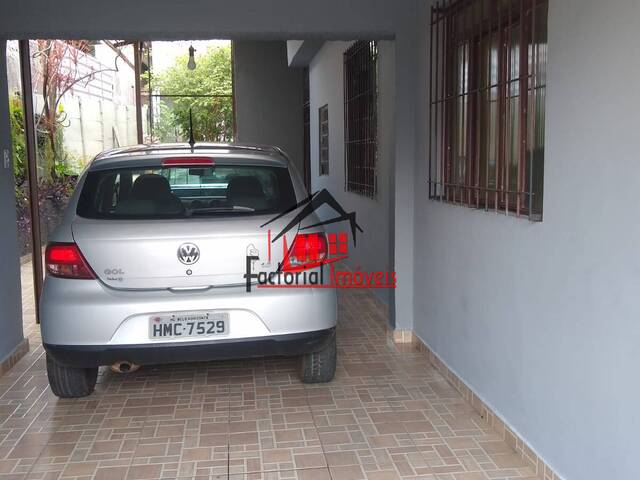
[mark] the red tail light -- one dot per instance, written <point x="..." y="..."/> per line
<point x="188" y="162"/>
<point x="308" y="249"/>
<point x="66" y="261"/>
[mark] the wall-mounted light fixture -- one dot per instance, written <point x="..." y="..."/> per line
<point x="191" y="65"/>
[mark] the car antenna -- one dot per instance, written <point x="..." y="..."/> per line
<point x="192" y="141"/>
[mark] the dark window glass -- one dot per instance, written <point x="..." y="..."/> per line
<point x="178" y="192"/>
<point x="323" y="117"/>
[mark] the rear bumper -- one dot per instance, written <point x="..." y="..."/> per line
<point x="85" y="312"/>
<point x="155" y="354"/>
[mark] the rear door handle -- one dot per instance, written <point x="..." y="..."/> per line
<point x="189" y="289"/>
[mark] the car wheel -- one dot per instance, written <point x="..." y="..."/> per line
<point x="69" y="382"/>
<point x="320" y="366"/>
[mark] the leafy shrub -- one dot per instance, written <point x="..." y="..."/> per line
<point x="17" y="139"/>
<point x="53" y="196"/>
<point x="212" y="116"/>
<point x="53" y="192"/>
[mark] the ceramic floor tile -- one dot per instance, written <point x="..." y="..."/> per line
<point x="387" y="415"/>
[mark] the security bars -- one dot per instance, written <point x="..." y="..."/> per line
<point x="360" y="118"/>
<point x="487" y="104"/>
<point x="323" y="122"/>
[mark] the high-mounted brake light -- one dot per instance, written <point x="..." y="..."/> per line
<point x="188" y="162"/>
<point x="66" y="261"/>
<point x="308" y="249"/>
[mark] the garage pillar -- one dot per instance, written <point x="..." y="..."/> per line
<point x="12" y="342"/>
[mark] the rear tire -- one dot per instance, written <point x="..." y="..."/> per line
<point x="70" y="382"/>
<point x="320" y="366"/>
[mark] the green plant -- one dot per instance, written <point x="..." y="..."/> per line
<point x="165" y="128"/>
<point x="56" y="162"/>
<point x="17" y="138"/>
<point x="58" y="72"/>
<point x="212" y="116"/>
<point x="63" y="169"/>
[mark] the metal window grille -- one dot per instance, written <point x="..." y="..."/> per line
<point x="360" y="115"/>
<point x="487" y="104"/>
<point x="323" y="117"/>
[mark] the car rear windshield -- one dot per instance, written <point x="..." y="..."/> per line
<point x="181" y="191"/>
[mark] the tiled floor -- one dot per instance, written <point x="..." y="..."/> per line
<point x="386" y="415"/>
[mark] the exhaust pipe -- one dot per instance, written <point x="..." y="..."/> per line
<point x="124" y="367"/>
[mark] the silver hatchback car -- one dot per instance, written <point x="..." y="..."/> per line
<point x="156" y="261"/>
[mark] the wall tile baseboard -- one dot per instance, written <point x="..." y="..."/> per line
<point x="18" y="352"/>
<point x="402" y="336"/>
<point x="405" y="338"/>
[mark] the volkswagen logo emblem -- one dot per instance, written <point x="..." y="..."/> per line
<point x="188" y="253"/>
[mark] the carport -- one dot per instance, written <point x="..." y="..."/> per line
<point x="490" y="358"/>
<point x="244" y="418"/>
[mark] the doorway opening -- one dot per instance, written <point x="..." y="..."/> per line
<point x="179" y="78"/>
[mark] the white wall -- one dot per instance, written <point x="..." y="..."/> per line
<point x="94" y="109"/>
<point x="372" y="214"/>
<point x="543" y="320"/>
<point x="92" y="123"/>
<point x="268" y="97"/>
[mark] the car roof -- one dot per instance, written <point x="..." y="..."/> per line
<point x="143" y="154"/>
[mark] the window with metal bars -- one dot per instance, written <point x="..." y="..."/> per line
<point x="323" y="121"/>
<point x="487" y="104"/>
<point x="360" y="117"/>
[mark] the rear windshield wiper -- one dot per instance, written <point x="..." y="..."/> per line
<point x="235" y="208"/>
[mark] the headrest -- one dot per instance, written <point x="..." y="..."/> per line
<point x="151" y="186"/>
<point x="244" y="187"/>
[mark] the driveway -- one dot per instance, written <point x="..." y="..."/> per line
<point x="388" y="414"/>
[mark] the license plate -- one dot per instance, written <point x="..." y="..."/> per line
<point x="187" y="325"/>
